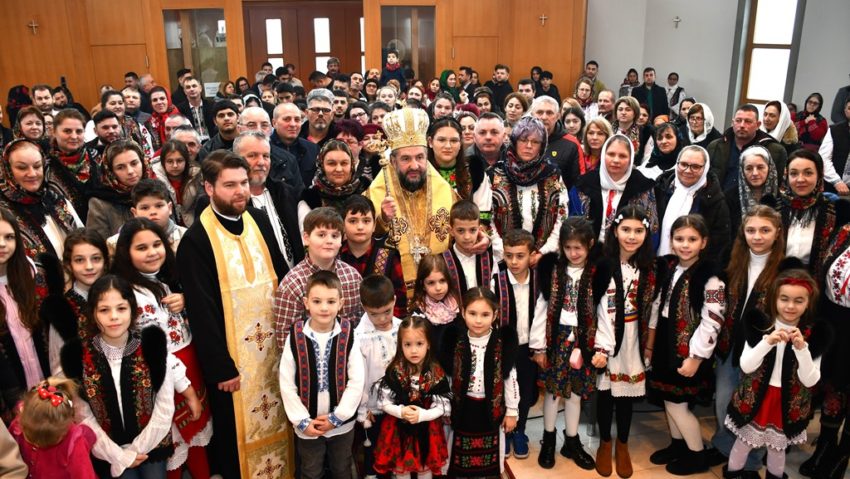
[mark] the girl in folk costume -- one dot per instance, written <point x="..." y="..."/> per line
<point x="809" y="217"/>
<point x="128" y="395"/>
<point x="143" y="257"/>
<point x="757" y="252"/>
<point x="436" y="296"/>
<point x="52" y="445"/>
<point x="485" y="393"/>
<point x="781" y="363"/>
<point x="23" y="337"/>
<point x="622" y="335"/>
<point x="832" y="455"/>
<point x="569" y="341"/>
<point x="414" y="394"/>
<point x="85" y="259"/>
<point x="528" y="192"/>
<point x="686" y="319"/>
<point x="43" y="215"/>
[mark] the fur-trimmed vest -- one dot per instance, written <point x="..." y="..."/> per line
<point x="483" y="270"/>
<point x="499" y="359"/>
<point x="507" y="214"/>
<point x="555" y="289"/>
<point x="609" y="269"/>
<point x="63" y="310"/>
<point x="143" y="372"/>
<point x="686" y="297"/>
<point x="831" y="216"/>
<point x="796" y="398"/>
<point x="306" y="369"/>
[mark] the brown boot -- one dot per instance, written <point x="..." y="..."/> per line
<point x="603" y="458"/>
<point x="624" y="461"/>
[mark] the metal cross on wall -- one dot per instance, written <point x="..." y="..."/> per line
<point x="34" y="26"/>
<point x="543" y="19"/>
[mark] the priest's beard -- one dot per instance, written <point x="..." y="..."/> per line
<point x="235" y="207"/>
<point x="412" y="185"/>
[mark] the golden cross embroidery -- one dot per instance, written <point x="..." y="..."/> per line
<point x="268" y="471"/>
<point x="265" y="407"/>
<point x="259" y="336"/>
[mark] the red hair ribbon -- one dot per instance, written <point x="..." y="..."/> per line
<point x="798" y="282"/>
<point x="50" y="392"/>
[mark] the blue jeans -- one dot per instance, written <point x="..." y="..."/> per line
<point x="727" y="379"/>
<point x="148" y="470"/>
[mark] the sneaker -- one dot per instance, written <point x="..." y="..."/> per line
<point x="520" y="441"/>
<point x="508" y="441"/>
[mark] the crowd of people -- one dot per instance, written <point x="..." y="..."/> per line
<point x="383" y="273"/>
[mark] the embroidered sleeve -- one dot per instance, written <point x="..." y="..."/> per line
<point x="537" y="332"/>
<point x="551" y="244"/>
<point x="295" y="410"/>
<point x="704" y="339"/>
<point x="752" y="357"/>
<point x="606" y="312"/>
<point x="160" y="422"/>
<point x="512" y="394"/>
<point x="304" y="424"/>
<point x="347" y="405"/>
<point x="177" y="370"/>
<point x="656" y="312"/>
<point x="808" y="369"/>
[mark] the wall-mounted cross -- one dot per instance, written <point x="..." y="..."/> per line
<point x="34" y="26"/>
<point x="543" y="19"/>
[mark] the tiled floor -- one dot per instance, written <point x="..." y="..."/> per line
<point x="648" y="434"/>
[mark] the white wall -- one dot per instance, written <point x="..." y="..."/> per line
<point x="623" y="34"/>
<point x="824" y="61"/>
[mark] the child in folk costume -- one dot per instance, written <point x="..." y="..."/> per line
<point x="467" y="269"/>
<point x="51" y="444"/>
<point x="686" y="319"/>
<point x="414" y="395"/>
<point x="123" y="374"/>
<point x="436" y="296"/>
<point x="568" y="344"/>
<point x="781" y="363"/>
<point x="485" y="393"/>
<point x="622" y="334"/>
<point x="144" y="258"/>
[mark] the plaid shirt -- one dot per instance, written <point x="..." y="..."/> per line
<point x="288" y="302"/>
<point x="393" y="271"/>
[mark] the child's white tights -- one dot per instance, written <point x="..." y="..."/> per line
<point x="683" y="424"/>
<point x="572" y="413"/>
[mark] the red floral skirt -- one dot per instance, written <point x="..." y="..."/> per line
<point x="182" y="415"/>
<point x="398" y="452"/>
<point x="770" y="410"/>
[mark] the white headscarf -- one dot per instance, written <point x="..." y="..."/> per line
<point x="682" y="199"/>
<point x="605" y="180"/>
<point x="783" y="124"/>
<point x="708" y="125"/>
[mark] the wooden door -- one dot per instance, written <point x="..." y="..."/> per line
<point x="311" y="32"/>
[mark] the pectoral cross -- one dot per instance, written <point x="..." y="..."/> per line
<point x="34" y="26"/>
<point x="418" y="250"/>
<point x="543" y="19"/>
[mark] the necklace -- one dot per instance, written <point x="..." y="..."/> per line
<point x="418" y="232"/>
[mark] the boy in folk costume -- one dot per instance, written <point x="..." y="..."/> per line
<point x="466" y="268"/>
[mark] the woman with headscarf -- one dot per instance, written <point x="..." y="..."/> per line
<point x="778" y="124"/>
<point x="757" y="178"/>
<point x="599" y="194"/>
<point x="335" y="180"/>
<point x="691" y="188"/>
<point x="44" y="216"/>
<point x="662" y="150"/>
<point x="700" y="128"/>
<point x="809" y="218"/>
<point x="30" y="126"/>
<point x="19" y="97"/>
<point x="811" y="126"/>
<point x="162" y="110"/>
<point x="528" y="192"/>
<point x="448" y="83"/>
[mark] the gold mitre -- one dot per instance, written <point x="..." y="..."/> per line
<point x="406" y="127"/>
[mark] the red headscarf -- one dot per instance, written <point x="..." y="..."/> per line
<point x="157" y="121"/>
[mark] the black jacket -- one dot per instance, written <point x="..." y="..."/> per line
<point x="305" y="154"/>
<point x="720" y="149"/>
<point x="209" y="118"/>
<point x="564" y="154"/>
<point x="284" y="168"/>
<point x="659" y="100"/>
<point x="216" y="142"/>
<point x="710" y="202"/>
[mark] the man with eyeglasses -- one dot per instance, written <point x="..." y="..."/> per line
<point x="725" y="152"/>
<point x="319" y="127"/>
<point x="284" y="165"/>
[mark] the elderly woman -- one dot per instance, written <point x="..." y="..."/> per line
<point x="809" y="219"/>
<point x="778" y="124"/>
<point x="584" y="94"/>
<point x="334" y="182"/>
<point x="515" y="106"/>
<point x="528" y="192"/>
<point x="44" y="216"/>
<point x="700" y="127"/>
<point x="598" y="195"/>
<point x="162" y="110"/>
<point x="691" y="188"/>
<point x="811" y="126"/>
<point x="757" y="178"/>
<point x="124" y="165"/>
<point x="626" y="111"/>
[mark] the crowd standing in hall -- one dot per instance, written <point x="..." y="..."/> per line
<point x="381" y="273"/>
